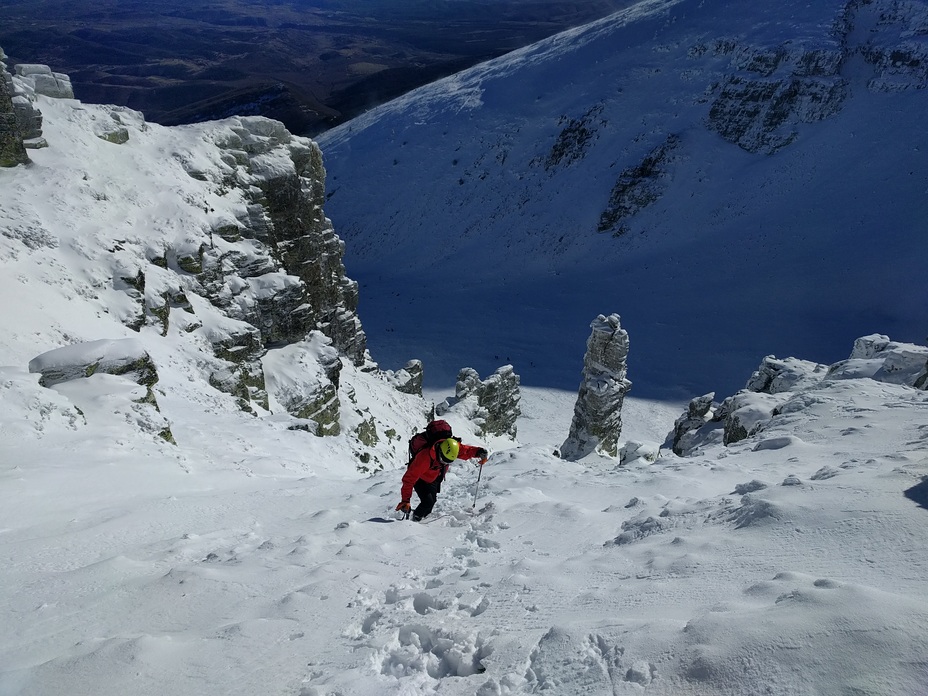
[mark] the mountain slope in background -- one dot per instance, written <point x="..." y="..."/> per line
<point x="690" y="164"/>
<point x="307" y="64"/>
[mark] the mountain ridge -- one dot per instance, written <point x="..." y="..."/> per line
<point x="780" y="119"/>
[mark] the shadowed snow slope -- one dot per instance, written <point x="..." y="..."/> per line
<point x="689" y="164"/>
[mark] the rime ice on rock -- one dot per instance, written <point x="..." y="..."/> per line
<point x="597" y="422"/>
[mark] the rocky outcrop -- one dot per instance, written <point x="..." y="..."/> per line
<point x="775" y="376"/>
<point x="407" y="380"/>
<point x="497" y="399"/>
<point x="877" y="357"/>
<point x="893" y="42"/>
<point x="597" y="421"/>
<point x="12" y="151"/>
<point x="284" y="180"/>
<point x="698" y="413"/>
<point x="921" y="382"/>
<point x="784" y="387"/>
<point x="770" y="90"/>
<point x="303" y="379"/>
<point x="123" y="358"/>
<point x="575" y="138"/>
<point x="275" y="271"/>
<point x="745" y="414"/>
<point x="44" y="81"/>
<point x="638" y="187"/>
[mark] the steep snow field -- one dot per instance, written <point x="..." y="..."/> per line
<point x="237" y="563"/>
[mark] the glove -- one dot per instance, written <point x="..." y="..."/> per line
<point x="482" y="453"/>
<point x="404" y="506"/>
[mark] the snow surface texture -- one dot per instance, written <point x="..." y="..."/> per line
<point x="248" y="559"/>
<point x="658" y="120"/>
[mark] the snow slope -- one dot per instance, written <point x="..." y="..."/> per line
<point x="236" y="563"/>
<point x="479" y="197"/>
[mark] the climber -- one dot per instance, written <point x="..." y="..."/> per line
<point x="427" y="470"/>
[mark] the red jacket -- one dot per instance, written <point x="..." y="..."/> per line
<point x="427" y="465"/>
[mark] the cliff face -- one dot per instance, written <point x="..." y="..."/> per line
<point x="272" y="264"/>
<point x="212" y="234"/>
<point x="12" y="151"/>
<point x="282" y="182"/>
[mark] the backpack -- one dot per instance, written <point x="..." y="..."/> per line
<point x="434" y="431"/>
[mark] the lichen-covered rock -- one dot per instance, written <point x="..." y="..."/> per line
<point x="105" y="376"/>
<point x="366" y="432"/>
<point x="124" y="357"/>
<point x="12" y="151"/>
<point x="597" y="421"/>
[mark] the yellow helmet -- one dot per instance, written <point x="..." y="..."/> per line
<point x="448" y="449"/>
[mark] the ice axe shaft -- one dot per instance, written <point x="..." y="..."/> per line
<point x="477" y="488"/>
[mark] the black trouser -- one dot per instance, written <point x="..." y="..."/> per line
<point x="428" y="494"/>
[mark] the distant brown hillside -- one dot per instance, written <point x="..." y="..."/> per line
<point x="309" y="63"/>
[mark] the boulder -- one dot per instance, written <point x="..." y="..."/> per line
<point x="123" y="357"/>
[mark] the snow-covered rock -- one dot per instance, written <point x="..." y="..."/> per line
<point x="45" y="82"/>
<point x="491" y="404"/>
<point x="699" y="411"/>
<point x="597" y="421"/>
<point x="879" y="358"/>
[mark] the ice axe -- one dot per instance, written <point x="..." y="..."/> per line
<point x="477" y="488"/>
